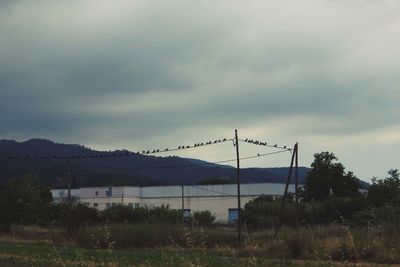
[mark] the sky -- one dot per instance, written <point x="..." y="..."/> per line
<point x="154" y="74"/>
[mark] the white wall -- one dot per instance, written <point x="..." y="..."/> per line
<point x="218" y="199"/>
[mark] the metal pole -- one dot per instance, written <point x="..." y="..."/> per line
<point x="238" y="188"/>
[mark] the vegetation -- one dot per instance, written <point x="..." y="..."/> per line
<point x="25" y="201"/>
<point x="385" y="191"/>
<point x="46" y="254"/>
<point x="333" y="221"/>
<point x="317" y="243"/>
<point x="327" y="178"/>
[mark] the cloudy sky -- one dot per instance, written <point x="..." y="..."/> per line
<point x="148" y="74"/>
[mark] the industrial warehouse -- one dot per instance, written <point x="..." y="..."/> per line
<point x="218" y="199"/>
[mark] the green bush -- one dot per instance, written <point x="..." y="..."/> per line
<point x="152" y="235"/>
<point x="118" y="214"/>
<point x="74" y="216"/>
<point x="128" y="214"/>
<point x="164" y="214"/>
<point x="266" y="213"/>
<point x="203" y="218"/>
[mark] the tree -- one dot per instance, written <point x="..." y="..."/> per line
<point x="385" y="191"/>
<point x="328" y="179"/>
<point x="25" y="200"/>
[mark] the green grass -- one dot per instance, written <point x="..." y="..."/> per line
<point x="179" y="245"/>
<point x="23" y="254"/>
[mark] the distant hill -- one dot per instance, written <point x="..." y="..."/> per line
<point x="118" y="169"/>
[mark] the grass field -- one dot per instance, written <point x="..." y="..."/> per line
<point x="46" y="254"/>
<point x="174" y="245"/>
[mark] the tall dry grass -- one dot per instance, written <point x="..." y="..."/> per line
<point x="373" y="243"/>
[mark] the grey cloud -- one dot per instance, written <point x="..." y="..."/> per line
<point x="73" y="71"/>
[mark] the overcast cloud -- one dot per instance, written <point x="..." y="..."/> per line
<point x="139" y="74"/>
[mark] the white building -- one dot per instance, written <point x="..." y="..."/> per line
<point x="218" y="199"/>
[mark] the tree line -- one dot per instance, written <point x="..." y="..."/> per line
<point x="330" y="195"/>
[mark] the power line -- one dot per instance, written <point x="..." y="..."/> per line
<point x="211" y="190"/>
<point x="123" y="153"/>
<point x="180" y="166"/>
<point x="261" y="143"/>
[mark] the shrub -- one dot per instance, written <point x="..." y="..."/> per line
<point x="75" y="215"/>
<point x="164" y="214"/>
<point x="204" y="218"/>
<point x="118" y="214"/>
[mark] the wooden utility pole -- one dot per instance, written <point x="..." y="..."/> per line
<point x="288" y="179"/>
<point x="69" y="223"/>
<point x="239" y="222"/>
<point x="296" y="175"/>
<point x="69" y="182"/>
<point x="183" y="204"/>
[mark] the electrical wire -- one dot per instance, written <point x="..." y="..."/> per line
<point x="116" y="153"/>
<point x="180" y="166"/>
<point x="260" y="143"/>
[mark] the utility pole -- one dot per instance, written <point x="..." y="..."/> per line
<point x="288" y="179"/>
<point x="296" y="175"/>
<point x="69" y="183"/>
<point x="183" y="204"/>
<point x="238" y="188"/>
<point x="69" y="224"/>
